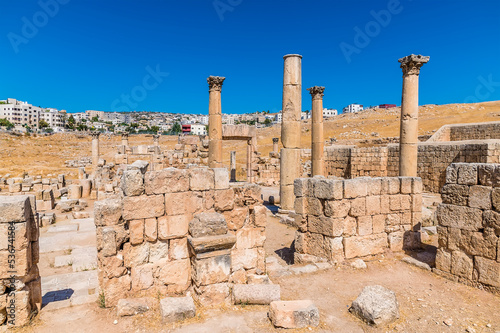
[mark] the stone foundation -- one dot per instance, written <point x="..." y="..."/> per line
<point x="346" y="219"/>
<point x="469" y="225"/>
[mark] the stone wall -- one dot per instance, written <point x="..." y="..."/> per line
<point x="142" y="234"/>
<point x="462" y="132"/>
<point x="345" y="219"/>
<point x="20" y="284"/>
<point x="469" y="225"/>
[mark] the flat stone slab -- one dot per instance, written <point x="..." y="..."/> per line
<point x="416" y="263"/>
<point x="294" y="314"/>
<point x="256" y="293"/>
<point x="65" y="241"/>
<point x="63" y="228"/>
<point x="133" y="306"/>
<point x="177" y="308"/>
<point x="376" y="305"/>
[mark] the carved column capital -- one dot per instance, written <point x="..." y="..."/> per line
<point x="411" y="64"/>
<point x="95" y="134"/>
<point x="156" y="136"/>
<point x="276" y="140"/>
<point x="124" y="135"/>
<point x="215" y="83"/>
<point x="317" y="92"/>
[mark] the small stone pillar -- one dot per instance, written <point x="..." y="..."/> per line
<point x="125" y="139"/>
<point x="215" y="121"/>
<point x="318" y="166"/>
<point x="275" y="145"/>
<point x="95" y="149"/>
<point x="408" y="139"/>
<point x="249" y="161"/>
<point x="156" y="140"/>
<point x="232" y="165"/>
<point x="290" y="129"/>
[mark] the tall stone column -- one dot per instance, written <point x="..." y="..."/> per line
<point x="156" y="140"/>
<point x="290" y="129"/>
<point x="95" y="149"/>
<point x="276" y="144"/>
<point x="318" y="165"/>
<point x="125" y="139"/>
<point x="249" y="161"/>
<point x="408" y="139"/>
<point x="215" y="121"/>
<point x="232" y="166"/>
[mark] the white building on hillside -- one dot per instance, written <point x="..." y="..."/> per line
<point x="55" y="118"/>
<point x="278" y="117"/>
<point x="329" y="113"/>
<point x="353" y="108"/>
<point x="20" y="113"/>
<point x="198" y="129"/>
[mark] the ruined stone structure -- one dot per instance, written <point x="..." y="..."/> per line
<point x="215" y="121"/>
<point x="464" y="132"/>
<point x="153" y="154"/>
<point x="346" y="219"/>
<point x="469" y="225"/>
<point x="248" y="134"/>
<point x="143" y="236"/>
<point x="408" y="144"/>
<point x="95" y="149"/>
<point x="190" y="149"/>
<point x="290" y="128"/>
<point x="19" y="252"/>
<point x="318" y="166"/>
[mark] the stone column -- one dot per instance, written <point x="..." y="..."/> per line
<point x="95" y="149"/>
<point x="215" y="122"/>
<point x="318" y="165"/>
<point x="275" y="144"/>
<point x="408" y="139"/>
<point x="232" y="165"/>
<point x="125" y="139"/>
<point x="249" y="161"/>
<point x="290" y="129"/>
<point x="156" y="140"/>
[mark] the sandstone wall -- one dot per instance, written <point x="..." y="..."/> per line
<point x="462" y="132"/>
<point x="345" y="219"/>
<point x="20" y="284"/>
<point x="469" y="225"/>
<point x="142" y="234"/>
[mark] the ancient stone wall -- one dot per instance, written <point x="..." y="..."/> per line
<point x="463" y="132"/>
<point x="469" y="225"/>
<point x="20" y="284"/>
<point x="142" y="235"/>
<point x="345" y="219"/>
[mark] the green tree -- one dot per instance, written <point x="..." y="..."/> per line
<point x="267" y="121"/>
<point x="43" y="124"/>
<point x="176" y="129"/>
<point x="6" y="123"/>
<point x="71" y="122"/>
<point x="155" y="129"/>
<point x="95" y="119"/>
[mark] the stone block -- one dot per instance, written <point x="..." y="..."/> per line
<point x="303" y="187"/>
<point x="373" y="205"/>
<point x="176" y="274"/>
<point x="495" y="198"/>
<point x="158" y="250"/>
<point x="135" y="255"/>
<point x="443" y="260"/>
<point x="406" y="185"/>
<point x="178" y="248"/>
<point x="179" y="203"/>
<point x="396" y="241"/>
<point x="151" y="229"/>
<point x="236" y="218"/>
<point x="132" y="306"/>
<point x="467" y="174"/>
<point x="459" y="217"/>
<point x="365" y="226"/>
<point x="355" y="188"/>
<point x="416" y="202"/>
<point x="328" y="188"/>
<point x="14" y="209"/>
<point x="480" y="197"/>
<point x="74" y="192"/>
<point x="374" y="186"/>
<point x="247" y="238"/>
<point x="143" y="207"/>
<point x="337" y="208"/>
<point x="294" y="314"/>
<point x="333" y="227"/>
<point x="136" y="229"/>
<point x="224" y="200"/>
<point x="393" y="185"/>
<point x="169" y="180"/>
<point x="258" y="216"/>
<point x="142" y="276"/>
<point x="488" y="271"/>
<point x="358" y="207"/>
<point x="132" y="183"/>
<point x="486" y="174"/>
<point x="221" y="177"/>
<point x="361" y="246"/>
<point x="461" y="264"/>
<point x="201" y="179"/>
<point x="378" y="223"/>
<point x="416" y="185"/>
<point x="256" y="293"/>
<point x="207" y="224"/>
<point x="213" y="295"/>
<point x="173" y="226"/>
<point x="212" y="243"/>
<point x="451" y="174"/>
<point x="334" y="249"/>
<point x="244" y="258"/>
<point x="376" y="305"/>
<point x="177" y="309"/>
<point x="211" y="270"/>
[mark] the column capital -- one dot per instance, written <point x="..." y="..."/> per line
<point x="276" y="140"/>
<point x="411" y="64"/>
<point x="95" y="134"/>
<point x="156" y="136"/>
<point x="124" y="135"/>
<point x="215" y="82"/>
<point x="317" y="92"/>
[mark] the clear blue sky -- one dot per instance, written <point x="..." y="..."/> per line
<point x="88" y="54"/>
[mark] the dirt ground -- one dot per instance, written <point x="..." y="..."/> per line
<point x="426" y="302"/>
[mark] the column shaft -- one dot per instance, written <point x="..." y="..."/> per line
<point x="232" y="165"/>
<point x="317" y="147"/>
<point x="215" y="122"/>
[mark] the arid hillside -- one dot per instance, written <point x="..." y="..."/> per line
<point x="42" y="155"/>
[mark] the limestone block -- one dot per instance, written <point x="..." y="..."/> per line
<point x="207" y="224"/>
<point x="177" y="309"/>
<point x="108" y="212"/>
<point x="374" y="186"/>
<point x="158" y="250"/>
<point x="358" y="207"/>
<point x="179" y="203"/>
<point x="393" y="185"/>
<point x="334" y="249"/>
<point x="247" y="238"/>
<point x="416" y="185"/>
<point x="303" y="187"/>
<point x="459" y="217"/>
<point x="376" y="305"/>
<point x="168" y="180"/>
<point x="354" y="188"/>
<point x="136" y="229"/>
<point x="461" y="264"/>
<point x="173" y="226"/>
<point x="258" y="279"/>
<point x="213" y="295"/>
<point x="378" y="223"/>
<point x="451" y="174"/>
<point x="333" y="227"/>
<point x="328" y="188"/>
<point x="236" y="218"/>
<point x="176" y="273"/>
<point x="115" y="289"/>
<point x="373" y="205"/>
<point x="443" y="260"/>
<point x="467" y="174"/>
<point x="224" y="200"/>
<point x="365" y="226"/>
<point x="258" y="216"/>
<point x="406" y="185"/>
<point x="256" y="293"/>
<point x="15" y="188"/>
<point x="492" y="220"/>
<point x="211" y="270"/>
<point x="338" y="208"/>
<point x="74" y="192"/>
<point x="178" y="249"/>
<point x="132" y="306"/>
<point x="132" y="182"/>
<point x="221" y="176"/>
<point x="211" y="243"/>
<point x="294" y="314"/>
<point x="480" y="197"/>
<point x="486" y="174"/>
<point x="112" y="266"/>
<point x="244" y="258"/>
<point x="396" y="241"/>
<point x="361" y="246"/>
<point x="142" y="276"/>
<point x="395" y="202"/>
<point x="350" y="226"/>
<point x="488" y="271"/>
<point x="139" y="165"/>
<point x="151" y="229"/>
<point x="495" y="198"/>
<point x="135" y="255"/>
<point x="201" y="179"/>
<point x="143" y="207"/>
<point x="313" y="206"/>
<point x="14" y="209"/>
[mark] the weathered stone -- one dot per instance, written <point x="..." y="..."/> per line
<point x="467" y="174"/>
<point x="244" y="258"/>
<point x="259" y="216"/>
<point x="337" y="208"/>
<point x="176" y="273"/>
<point x="354" y="188"/>
<point x="247" y="238"/>
<point x="212" y="243"/>
<point x="142" y="276"/>
<point x="173" y="226"/>
<point x="108" y="242"/>
<point x="213" y="295"/>
<point x="328" y="188"/>
<point x="480" y="197"/>
<point x="207" y="224"/>
<point x="492" y="220"/>
<point x="461" y="264"/>
<point x="211" y="270"/>
<point x="443" y="260"/>
<point x="294" y="314"/>
<point x="459" y="217"/>
<point x="333" y="227"/>
<point x="14" y="209"/>
<point x="486" y="174"/>
<point x="108" y="212"/>
<point x="136" y="228"/>
<point x="158" y="250"/>
<point x="132" y="182"/>
<point x="303" y="187"/>
<point x="495" y="198"/>
<point x="201" y="179"/>
<point x="376" y="305"/>
<point x="256" y="293"/>
<point x="224" y="200"/>
<point x="177" y="309"/>
<point x="221" y="176"/>
<point x="179" y="203"/>
<point x="364" y="245"/>
<point x="455" y="194"/>
<point x="151" y="229"/>
<point x="168" y="180"/>
<point x="488" y="271"/>
<point x="143" y="207"/>
<point x="132" y="306"/>
<point x="74" y="192"/>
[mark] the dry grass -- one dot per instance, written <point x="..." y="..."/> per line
<point x="44" y="155"/>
